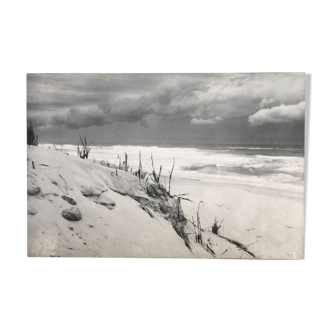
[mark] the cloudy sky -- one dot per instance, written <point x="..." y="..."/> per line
<point x="168" y="108"/>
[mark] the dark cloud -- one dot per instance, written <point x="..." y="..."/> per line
<point x="76" y="117"/>
<point x="76" y="101"/>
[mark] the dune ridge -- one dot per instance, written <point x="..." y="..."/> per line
<point x="114" y="216"/>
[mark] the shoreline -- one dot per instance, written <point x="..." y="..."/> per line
<point x="270" y="222"/>
<point x="253" y="183"/>
<point x="247" y="187"/>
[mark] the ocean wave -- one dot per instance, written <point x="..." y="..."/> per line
<point x="198" y="167"/>
<point x="206" y="165"/>
<point x="252" y="170"/>
<point x="262" y="148"/>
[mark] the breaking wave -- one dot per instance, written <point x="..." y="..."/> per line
<point x="276" y="167"/>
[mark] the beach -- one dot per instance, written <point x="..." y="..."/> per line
<point x="268" y="221"/>
<point x="166" y="165"/>
<point x="258" y="216"/>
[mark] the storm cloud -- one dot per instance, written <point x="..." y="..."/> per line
<point x="74" y="101"/>
<point x="78" y="117"/>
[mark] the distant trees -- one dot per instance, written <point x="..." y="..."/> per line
<point x="32" y="139"/>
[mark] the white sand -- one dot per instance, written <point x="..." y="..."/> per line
<point x="269" y="222"/>
<point x="274" y="220"/>
<point x="126" y="231"/>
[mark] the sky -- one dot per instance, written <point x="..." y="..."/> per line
<point x="194" y="109"/>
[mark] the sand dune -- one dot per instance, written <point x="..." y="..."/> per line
<point x="77" y="208"/>
<point x="126" y="230"/>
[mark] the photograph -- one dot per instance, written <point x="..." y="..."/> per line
<point x="166" y="165"/>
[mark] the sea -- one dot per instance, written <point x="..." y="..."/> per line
<point x="279" y="167"/>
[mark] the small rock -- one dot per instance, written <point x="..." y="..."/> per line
<point x="68" y="199"/>
<point x="71" y="228"/>
<point x="90" y="191"/>
<point x="32" y="210"/>
<point x="105" y="201"/>
<point x="33" y="190"/>
<point x="72" y="214"/>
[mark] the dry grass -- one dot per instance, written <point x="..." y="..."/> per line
<point x="140" y="173"/>
<point x="170" y="178"/>
<point x="83" y="152"/>
<point x="155" y="177"/>
<point x="216" y="226"/>
<point x="199" y="229"/>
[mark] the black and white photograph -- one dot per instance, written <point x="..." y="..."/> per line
<point x="166" y="165"/>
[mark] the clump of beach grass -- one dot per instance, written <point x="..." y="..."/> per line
<point x="216" y="226"/>
<point x="140" y="173"/>
<point x="197" y="225"/>
<point x="155" y="177"/>
<point x="170" y="178"/>
<point x="125" y="163"/>
<point x="83" y="152"/>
